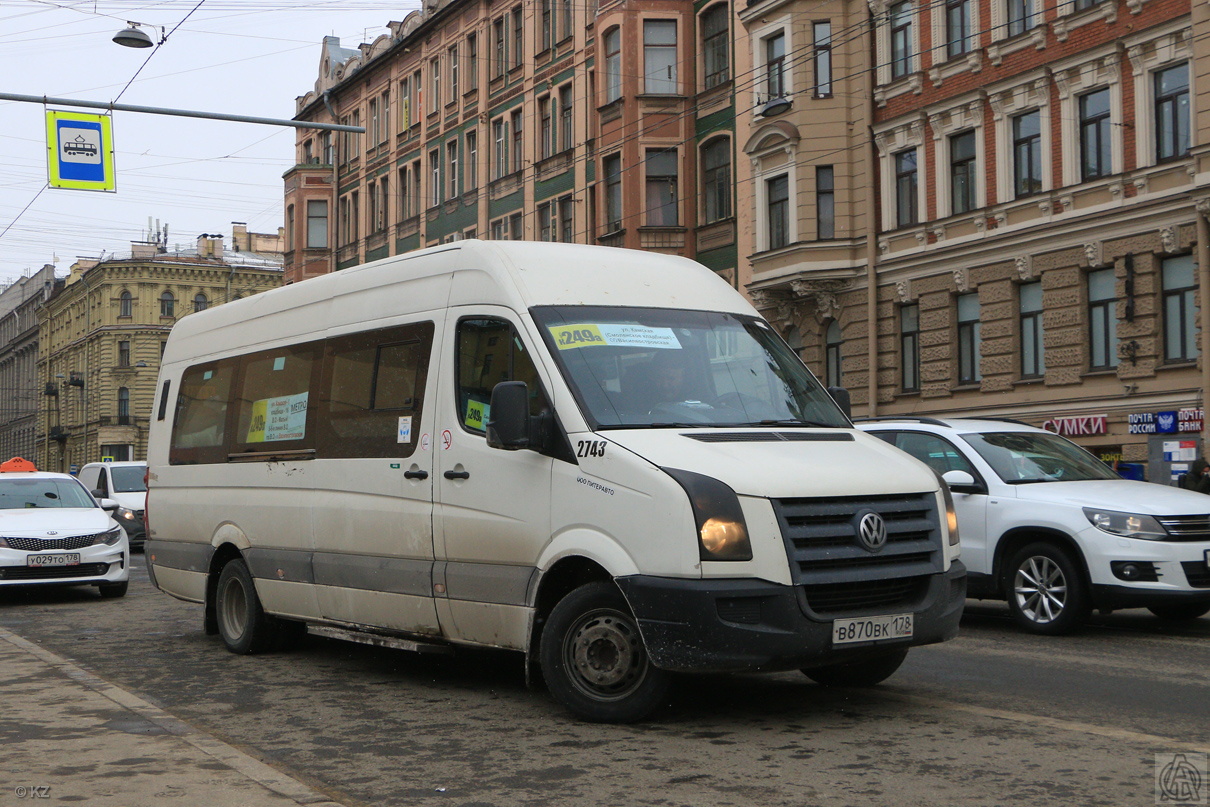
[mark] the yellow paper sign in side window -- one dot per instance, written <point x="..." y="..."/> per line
<point x="476" y="415"/>
<point x="256" y="427"/>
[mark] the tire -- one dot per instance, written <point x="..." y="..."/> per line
<point x="111" y="591"/>
<point x="1182" y="612"/>
<point x="1045" y="590"/>
<point x="594" y="661"/>
<point x="867" y="673"/>
<point x="243" y="625"/>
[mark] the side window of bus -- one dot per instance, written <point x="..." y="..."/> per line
<point x="491" y="351"/>
<point x="198" y="429"/>
<point x="273" y="405"/>
<point x="373" y="390"/>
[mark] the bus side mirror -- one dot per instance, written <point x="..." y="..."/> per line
<point x="841" y="396"/>
<point x="508" y="423"/>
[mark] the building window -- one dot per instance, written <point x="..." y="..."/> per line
<point x="613" y="193"/>
<point x="546" y="217"/>
<point x="832" y="345"/>
<point x="325" y="147"/>
<point x="1172" y="112"/>
<point x="317" y="223"/>
<point x="909" y="347"/>
<point x="1033" y="351"/>
<point x="452" y="55"/>
<point x="123" y="406"/>
<point x="518" y="36"/>
<point x="962" y="172"/>
<point x="1180" y="315"/>
<point x="200" y="303"/>
<point x="1102" y="320"/>
<point x="126" y="305"/>
<point x="565" y="134"/>
<point x="1021" y="16"/>
<point x="518" y="151"/>
<point x="716" y="176"/>
<point x="1095" y="139"/>
<point x="661" y="188"/>
<point x="957" y="27"/>
<point x="471" y="170"/>
<point x="434" y="177"/>
<point x="969" y="349"/>
<point x="566" y="220"/>
<point x="451" y="169"/>
<point x="124" y="353"/>
<point x="901" y="39"/>
<point x="435" y="83"/>
<point x="775" y="67"/>
<point x="715" y="56"/>
<point x="778" y="210"/>
<point x="613" y="64"/>
<point x="1027" y="153"/>
<point x="545" y="129"/>
<point x="500" y="46"/>
<point x="500" y="140"/>
<point x="566" y="29"/>
<point x="547" y="34"/>
<point x="906" y="188"/>
<point x="472" y="62"/>
<point x="825" y="202"/>
<point x="167" y="305"/>
<point x="289" y="228"/>
<point x="514" y="224"/>
<point x="823" y="59"/>
<point x="659" y="57"/>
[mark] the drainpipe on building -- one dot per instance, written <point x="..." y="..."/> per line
<point x="871" y="257"/>
<point x="1203" y="283"/>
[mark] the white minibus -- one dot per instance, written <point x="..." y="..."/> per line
<point x="604" y="459"/>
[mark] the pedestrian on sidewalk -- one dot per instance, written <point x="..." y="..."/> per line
<point x="1198" y="477"/>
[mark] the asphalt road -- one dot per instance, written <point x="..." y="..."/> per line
<point x="994" y="717"/>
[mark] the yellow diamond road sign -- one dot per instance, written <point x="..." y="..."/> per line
<point x="79" y="149"/>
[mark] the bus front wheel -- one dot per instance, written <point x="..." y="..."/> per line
<point x="242" y="623"/>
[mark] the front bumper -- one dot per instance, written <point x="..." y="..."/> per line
<point x="754" y="625"/>
<point x="98" y="564"/>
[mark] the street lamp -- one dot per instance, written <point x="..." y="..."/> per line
<point x="135" y="37"/>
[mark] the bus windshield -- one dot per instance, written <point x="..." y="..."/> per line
<point x="654" y="367"/>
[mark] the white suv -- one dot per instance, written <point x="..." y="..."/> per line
<point x="1049" y="528"/>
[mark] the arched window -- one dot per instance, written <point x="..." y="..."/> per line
<point x="126" y="305"/>
<point x="613" y="64"/>
<point x="167" y="305"/>
<point x="716" y="180"/>
<point x="716" y="61"/>
<point x="832" y="344"/>
<point x="200" y="303"/>
<point x="123" y="406"/>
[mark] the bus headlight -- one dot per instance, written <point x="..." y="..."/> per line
<point x="722" y="533"/>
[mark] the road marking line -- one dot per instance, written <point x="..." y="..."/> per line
<point x="1166" y="743"/>
<point x="260" y="772"/>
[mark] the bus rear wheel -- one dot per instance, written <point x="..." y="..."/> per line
<point x="242" y="623"/>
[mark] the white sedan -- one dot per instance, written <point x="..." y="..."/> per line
<point x="53" y="532"/>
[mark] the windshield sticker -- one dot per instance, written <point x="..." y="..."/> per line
<point x="283" y="418"/>
<point x="568" y="337"/>
<point x="476" y="415"/>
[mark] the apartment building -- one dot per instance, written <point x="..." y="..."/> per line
<point x="609" y="124"/>
<point x="1035" y="196"/>
<point x="102" y="331"/>
<point x="19" y="380"/>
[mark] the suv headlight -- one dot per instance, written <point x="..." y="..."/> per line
<point x="125" y="515"/>
<point x="113" y="536"/>
<point x="1129" y="525"/>
<point x="722" y="533"/>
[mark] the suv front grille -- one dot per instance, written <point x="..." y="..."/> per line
<point x="1196" y="573"/>
<point x="1186" y="528"/>
<point x="837" y="573"/>
<point x="42" y="544"/>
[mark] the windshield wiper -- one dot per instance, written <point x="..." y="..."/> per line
<point x="799" y="422"/>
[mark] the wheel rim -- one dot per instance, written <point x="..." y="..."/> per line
<point x="604" y="656"/>
<point x="1041" y="589"/>
<point x="233" y="609"/>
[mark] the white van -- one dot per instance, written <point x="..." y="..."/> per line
<point x="122" y="481"/>
<point x="602" y="458"/>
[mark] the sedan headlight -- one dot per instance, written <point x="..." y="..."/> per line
<point x="113" y="536"/>
<point x="721" y="531"/>
<point x="1128" y="525"/>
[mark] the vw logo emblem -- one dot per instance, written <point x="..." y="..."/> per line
<point x="871" y="531"/>
<point x="52" y="532"/>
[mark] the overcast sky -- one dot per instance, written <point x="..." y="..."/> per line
<point x="242" y="57"/>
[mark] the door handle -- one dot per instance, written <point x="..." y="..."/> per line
<point x="415" y="474"/>
<point x="457" y="475"/>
